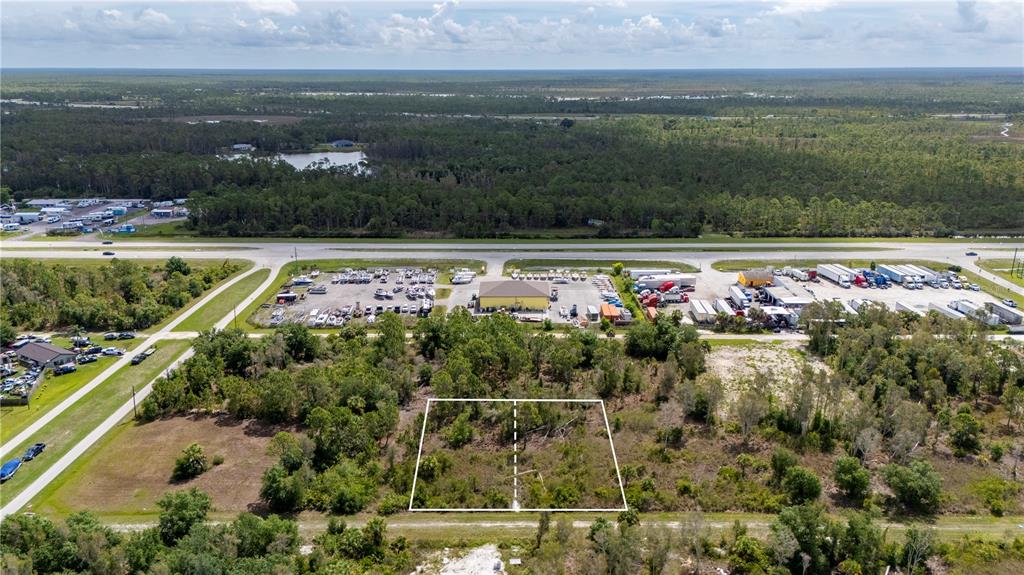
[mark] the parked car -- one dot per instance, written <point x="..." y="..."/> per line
<point x="975" y="287"/>
<point x="85" y="358"/>
<point x="65" y="369"/>
<point x="112" y="351"/>
<point x="126" y="335"/>
<point x="110" y="335"/>
<point x="1009" y="303"/>
<point x="139" y="358"/>
<point x="93" y="350"/>
<point x="9" y="469"/>
<point x="33" y="451"/>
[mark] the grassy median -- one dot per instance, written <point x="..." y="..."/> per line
<point x="214" y="310"/>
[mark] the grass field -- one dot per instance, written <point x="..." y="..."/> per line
<point x="292" y="268"/>
<point x="215" y="310"/>
<point x="986" y="286"/>
<point x="51" y="392"/>
<point x="591" y="264"/>
<point x="76" y="422"/>
<point x="100" y="482"/>
<point x="244" y="266"/>
<point x="1001" y="268"/>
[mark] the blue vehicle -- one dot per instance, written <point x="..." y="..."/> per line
<point x="33" y="451"/>
<point x="10" y="468"/>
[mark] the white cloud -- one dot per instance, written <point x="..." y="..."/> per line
<point x="282" y="7"/>
<point x="798" y="7"/>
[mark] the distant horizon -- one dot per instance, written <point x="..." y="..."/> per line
<point x="629" y="70"/>
<point x="510" y="35"/>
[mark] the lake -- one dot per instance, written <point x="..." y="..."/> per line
<point x="303" y="161"/>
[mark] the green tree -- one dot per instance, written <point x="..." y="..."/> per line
<point x="852" y="478"/>
<point x="917" y="487"/>
<point x="176" y="265"/>
<point x="191" y="463"/>
<point x="179" y="511"/>
<point x="964" y="433"/>
<point x="801" y="485"/>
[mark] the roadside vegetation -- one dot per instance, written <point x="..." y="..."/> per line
<point x="221" y="305"/>
<point x="97" y="296"/>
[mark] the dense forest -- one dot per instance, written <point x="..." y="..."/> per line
<point x="122" y="294"/>
<point x="669" y="156"/>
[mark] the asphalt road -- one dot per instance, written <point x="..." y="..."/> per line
<point x="275" y="254"/>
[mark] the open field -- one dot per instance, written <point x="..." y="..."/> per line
<point x="215" y="310"/>
<point x="100" y="482"/>
<point x="592" y="264"/>
<point x="1001" y="268"/>
<point x="72" y="425"/>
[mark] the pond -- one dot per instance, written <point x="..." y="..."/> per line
<point x="303" y="161"/>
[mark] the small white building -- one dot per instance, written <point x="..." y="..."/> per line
<point x="26" y="217"/>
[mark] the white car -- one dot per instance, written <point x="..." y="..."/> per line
<point x="112" y="351"/>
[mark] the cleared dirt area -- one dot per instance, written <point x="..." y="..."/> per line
<point x="131" y="469"/>
<point x="737" y="365"/>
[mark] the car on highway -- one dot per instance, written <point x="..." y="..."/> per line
<point x="107" y="242"/>
<point x="971" y="254"/>
<point x="33" y="451"/>
<point x="9" y="469"/>
<point x="1009" y="303"/>
<point x="108" y="253"/>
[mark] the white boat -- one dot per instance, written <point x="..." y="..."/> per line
<point x="515" y="274"/>
<point x="583" y="276"/>
<point x="575" y="276"/>
<point x="431" y="293"/>
<point x="314" y="274"/>
<point x="318" y="289"/>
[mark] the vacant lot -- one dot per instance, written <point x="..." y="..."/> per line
<point x="101" y="482"/>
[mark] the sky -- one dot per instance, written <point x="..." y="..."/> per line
<point x="495" y="34"/>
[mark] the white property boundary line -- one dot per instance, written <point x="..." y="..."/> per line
<point x="515" y="402"/>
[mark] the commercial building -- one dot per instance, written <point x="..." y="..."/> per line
<point x="755" y="278"/>
<point x="782" y="296"/>
<point x="26" y="217"/>
<point x="41" y="354"/>
<point x="513" y="295"/>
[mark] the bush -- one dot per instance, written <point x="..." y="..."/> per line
<point x="851" y="477"/>
<point x="964" y="432"/>
<point x="179" y="511"/>
<point x="782" y="460"/>
<point x="917" y="487"/>
<point x="460" y="432"/>
<point x="997" y="494"/>
<point x="191" y="463"/>
<point x="217" y="460"/>
<point x="392" y="503"/>
<point x="801" y="485"/>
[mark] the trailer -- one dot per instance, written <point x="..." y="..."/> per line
<point x="847" y="308"/>
<point x="835" y="274"/>
<point x="903" y="306"/>
<point x="974" y="311"/>
<point x="895" y="274"/>
<point x="797" y="274"/>
<point x="639" y="273"/>
<point x="923" y="274"/>
<point x="673" y="295"/>
<point x="739" y="297"/>
<point x="946" y="311"/>
<point x="723" y="306"/>
<point x="685" y="282"/>
<point x="1005" y="313"/>
<point x="702" y="311"/>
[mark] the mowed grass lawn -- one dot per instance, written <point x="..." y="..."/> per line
<point x="52" y="391"/>
<point x="100" y="482"/>
<point x="76" y="422"/>
<point x="214" y="310"/>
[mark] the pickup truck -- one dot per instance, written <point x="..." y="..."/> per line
<point x="142" y="356"/>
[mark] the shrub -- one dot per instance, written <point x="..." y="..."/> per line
<point x="997" y="494"/>
<point x="392" y="503"/>
<point x="782" y="460"/>
<point x="191" y="463"/>
<point x="964" y="432"/>
<point x="917" y="487"/>
<point x="801" y="485"/>
<point x="179" y="511"/>
<point x="852" y="478"/>
<point x="460" y="432"/>
<point x="217" y="460"/>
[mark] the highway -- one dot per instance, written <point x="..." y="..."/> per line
<point x="275" y="254"/>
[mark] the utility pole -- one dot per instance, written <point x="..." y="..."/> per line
<point x="134" y="410"/>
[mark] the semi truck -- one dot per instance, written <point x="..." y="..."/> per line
<point x="834" y="274"/>
<point x="895" y="274"/>
<point x="740" y="298"/>
<point x="684" y="282"/>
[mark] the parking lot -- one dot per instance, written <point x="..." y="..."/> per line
<point x="575" y="287"/>
<point x="333" y="299"/>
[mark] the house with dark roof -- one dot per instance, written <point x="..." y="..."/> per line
<point x="40" y="354"/>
